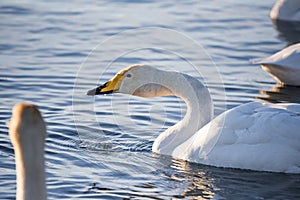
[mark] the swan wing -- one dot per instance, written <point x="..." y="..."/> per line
<point x="256" y="136"/>
<point x="288" y="57"/>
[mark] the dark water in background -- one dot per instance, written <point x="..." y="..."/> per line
<point x="101" y="147"/>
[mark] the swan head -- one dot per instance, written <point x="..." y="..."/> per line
<point x="26" y="123"/>
<point x="138" y="80"/>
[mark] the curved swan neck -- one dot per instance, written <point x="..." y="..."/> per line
<point x="193" y="93"/>
<point x="199" y="110"/>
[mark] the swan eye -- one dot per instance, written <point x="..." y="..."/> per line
<point x="128" y="75"/>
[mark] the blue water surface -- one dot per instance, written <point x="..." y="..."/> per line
<point x="52" y="52"/>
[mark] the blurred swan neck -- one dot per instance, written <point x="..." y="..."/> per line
<point x="30" y="172"/>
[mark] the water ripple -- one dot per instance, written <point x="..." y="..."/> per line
<point x="94" y="150"/>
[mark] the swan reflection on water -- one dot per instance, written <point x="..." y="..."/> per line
<point x="207" y="182"/>
<point x="199" y="182"/>
<point x="281" y="94"/>
<point x="288" y="30"/>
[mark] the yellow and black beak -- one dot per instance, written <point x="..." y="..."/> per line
<point x="109" y="87"/>
<point x="102" y="89"/>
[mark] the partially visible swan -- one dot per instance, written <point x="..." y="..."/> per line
<point x="27" y="132"/>
<point x="255" y="136"/>
<point x="284" y="65"/>
<point x="287" y="10"/>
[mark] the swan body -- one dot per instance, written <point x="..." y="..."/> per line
<point x="27" y="132"/>
<point x="284" y="65"/>
<point x="255" y="136"/>
<point x="287" y="10"/>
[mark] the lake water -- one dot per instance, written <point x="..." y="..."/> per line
<point x="52" y="52"/>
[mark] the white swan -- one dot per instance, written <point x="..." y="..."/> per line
<point x="287" y="10"/>
<point x="255" y="136"/>
<point x="284" y="65"/>
<point x="27" y="132"/>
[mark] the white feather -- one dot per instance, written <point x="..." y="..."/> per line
<point x="284" y="65"/>
<point x="288" y="10"/>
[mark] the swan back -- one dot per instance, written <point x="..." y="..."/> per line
<point x="27" y="131"/>
<point x="287" y="57"/>
<point x="283" y="65"/>
<point x="287" y="10"/>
